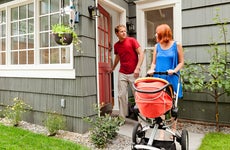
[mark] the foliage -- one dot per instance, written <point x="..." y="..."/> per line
<point x="103" y="129"/>
<point x="54" y="122"/>
<point x="215" y="141"/>
<point x="60" y="29"/>
<point x="14" y="112"/>
<point x="19" y="139"/>
<point x="212" y="78"/>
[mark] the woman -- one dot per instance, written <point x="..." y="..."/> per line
<point x="167" y="57"/>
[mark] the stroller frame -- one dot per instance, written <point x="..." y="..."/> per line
<point x="139" y="141"/>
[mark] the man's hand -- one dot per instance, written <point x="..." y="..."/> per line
<point x="136" y="72"/>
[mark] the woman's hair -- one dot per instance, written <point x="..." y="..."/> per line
<point x="164" y="33"/>
<point x="119" y="26"/>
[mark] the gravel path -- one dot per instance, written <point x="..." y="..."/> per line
<point x="121" y="142"/>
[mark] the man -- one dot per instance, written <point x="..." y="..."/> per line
<point x="128" y="52"/>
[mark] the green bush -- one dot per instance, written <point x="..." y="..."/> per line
<point x="103" y="129"/>
<point x="14" y="112"/>
<point x="54" y="122"/>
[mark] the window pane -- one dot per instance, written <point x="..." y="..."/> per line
<point x="2" y="30"/>
<point x="30" y="57"/>
<point x="31" y="41"/>
<point x="30" y="10"/>
<point x="155" y="18"/>
<point x="44" y="59"/>
<point x="52" y="41"/>
<point x="22" y="42"/>
<point x="22" y="57"/>
<point x="44" y="24"/>
<point x="44" y="7"/>
<point x="14" y="14"/>
<point x="14" y="43"/>
<point x="14" y="57"/>
<point x="2" y="17"/>
<point x="22" y="27"/>
<point x="30" y="25"/>
<point x="2" y="58"/>
<point x="54" y="6"/>
<point x="2" y="45"/>
<point x="44" y="42"/>
<point x="14" y="28"/>
<point x="54" y="56"/>
<point x="54" y="19"/>
<point x="22" y="12"/>
<point x="65" y="55"/>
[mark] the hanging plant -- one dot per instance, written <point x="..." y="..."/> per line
<point x="64" y="35"/>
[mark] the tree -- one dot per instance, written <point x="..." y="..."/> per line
<point x="212" y="78"/>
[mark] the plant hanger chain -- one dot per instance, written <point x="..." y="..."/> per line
<point x="63" y="13"/>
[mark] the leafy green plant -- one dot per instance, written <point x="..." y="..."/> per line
<point x="214" y="78"/>
<point x="14" y="112"/>
<point x="61" y="30"/>
<point x="54" y="122"/>
<point x="103" y="129"/>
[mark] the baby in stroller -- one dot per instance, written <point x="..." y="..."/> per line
<point x="157" y="106"/>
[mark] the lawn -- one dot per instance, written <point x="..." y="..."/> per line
<point x="13" y="138"/>
<point x="215" y="141"/>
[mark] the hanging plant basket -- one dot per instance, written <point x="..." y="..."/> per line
<point x="64" y="34"/>
<point x="63" y="38"/>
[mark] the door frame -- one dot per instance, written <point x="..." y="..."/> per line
<point x="118" y="15"/>
<point x="142" y="6"/>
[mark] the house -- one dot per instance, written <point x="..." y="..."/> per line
<point x="50" y="77"/>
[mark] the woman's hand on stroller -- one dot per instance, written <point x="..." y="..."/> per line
<point x="171" y="72"/>
<point x="150" y="72"/>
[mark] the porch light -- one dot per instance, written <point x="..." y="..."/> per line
<point x="93" y="11"/>
<point x="130" y="28"/>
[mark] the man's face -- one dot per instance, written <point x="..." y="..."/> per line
<point x="121" y="34"/>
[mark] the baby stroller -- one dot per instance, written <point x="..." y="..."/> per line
<point x="155" y="98"/>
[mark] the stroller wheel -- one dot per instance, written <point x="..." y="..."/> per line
<point x="138" y="135"/>
<point x="184" y="140"/>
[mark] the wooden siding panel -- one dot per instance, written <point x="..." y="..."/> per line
<point x="85" y="66"/>
<point x="87" y="46"/>
<point x="195" y="3"/>
<point x="203" y="16"/>
<point x="202" y="35"/>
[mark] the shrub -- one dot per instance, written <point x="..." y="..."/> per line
<point x="103" y="129"/>
<point x="54" y="122"/>
<point x="14" y="112"/>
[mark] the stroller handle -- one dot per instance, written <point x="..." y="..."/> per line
<point x="155" y="91"/>
<point x="163" y="73"/>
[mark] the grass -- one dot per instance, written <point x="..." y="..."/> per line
<point x="217" y="141"/>
<point x="13" y="138"/>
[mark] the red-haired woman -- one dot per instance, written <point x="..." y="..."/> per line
<point x="167" y="57"/>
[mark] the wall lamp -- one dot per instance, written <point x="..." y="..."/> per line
<point x="93" y="11"/>
<point x="130" y="28"/>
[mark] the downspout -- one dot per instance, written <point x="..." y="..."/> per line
<point x="96" y="44"/>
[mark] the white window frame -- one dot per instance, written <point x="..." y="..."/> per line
<point x="35" y="70"/>
<point x="147" y="5"/>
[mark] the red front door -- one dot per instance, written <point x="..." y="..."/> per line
<point x="104" y="59"/>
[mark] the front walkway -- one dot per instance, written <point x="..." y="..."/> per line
<point x="194" y="138"/>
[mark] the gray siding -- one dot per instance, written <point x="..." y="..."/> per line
<point x="198" y="31"/>
<point x="45" y="95"/>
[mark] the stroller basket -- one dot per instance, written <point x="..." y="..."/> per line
<point x="153" y="96"/>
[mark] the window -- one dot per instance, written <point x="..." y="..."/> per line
<point x="26" y="41"/>
<point x="22" y="35"/>
<point x="2" y="37"/>
<point x="49" y="51"/>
